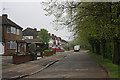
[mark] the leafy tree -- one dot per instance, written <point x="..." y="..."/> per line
<point x="97" y="24"/>
<point x="100" y="23"/>
<point x="32" y="49"/>
<point x="43" y="36"/>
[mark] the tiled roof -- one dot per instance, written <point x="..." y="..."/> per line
<point x="6" y="21"/>
<point x="30" y="32"/>
<point x="31" y="40"/>
<point x="64" y="41"/>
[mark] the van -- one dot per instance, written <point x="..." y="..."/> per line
<point x="76" y="48"/>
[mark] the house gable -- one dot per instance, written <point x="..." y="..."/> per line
<point x="11" y="33"/>
<point x="30" y="33"/>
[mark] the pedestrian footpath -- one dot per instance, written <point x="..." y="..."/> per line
<point x="29" y="68"/>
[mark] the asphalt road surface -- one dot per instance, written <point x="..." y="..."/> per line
<point x="74" y="65"/>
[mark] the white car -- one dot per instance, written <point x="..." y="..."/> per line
<point x="76" y="48"/>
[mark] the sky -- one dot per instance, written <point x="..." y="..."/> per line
<point x="31" y="14"/>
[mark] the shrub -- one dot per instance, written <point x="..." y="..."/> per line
<point x="12" y="53"/>
<point x="66" y="48"/>
<point x="47" y="52"/>
<point x="32" y="47"/>
<point x="42" y="47"/>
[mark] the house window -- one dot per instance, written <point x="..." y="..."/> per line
<point x="8" y="44"/>
<point x="18" y="32"/>
<point x="9" y="29"/>
<point x="11" y="44"/>
<point x="23" y="37"/>
<point x="30" y="37"/>
<point x="26" y="37"/>
<point x="13" y="30"/>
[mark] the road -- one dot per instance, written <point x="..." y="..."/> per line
<point x="73" y="65"/>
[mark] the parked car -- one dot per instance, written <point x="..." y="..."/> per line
<point x="77" y="48"/>
<point x="55" y="48"/>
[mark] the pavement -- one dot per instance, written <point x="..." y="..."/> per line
<point x="6" y="61"/>
<point x="61" y="65"/>
<point x="12" y="71"/>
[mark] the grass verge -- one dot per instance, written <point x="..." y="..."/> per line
<point x="113" y="69"/>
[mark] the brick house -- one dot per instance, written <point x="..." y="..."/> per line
<point x="56" y="42"/>
<point x="30" y="36"/>
<point x="11" y="36"/>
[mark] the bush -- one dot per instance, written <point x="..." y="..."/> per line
<point x="66" y="48"/>
<point x="32" y="47"/>
<point x="48" y="52"/>
<point x="42" y="47"/>
<point x="109" y="50"/>
<point x="12" y="53"/>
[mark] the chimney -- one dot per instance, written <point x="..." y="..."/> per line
<point x="5" y="16"/>
<point x="52" y="34"/>
<point x="35" y="29"/>
<point x="49" y="34"/>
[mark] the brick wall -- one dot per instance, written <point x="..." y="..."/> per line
<point x="11" y="51"/>
<point x="10" y="36"/>
<point x="17" y="59"/>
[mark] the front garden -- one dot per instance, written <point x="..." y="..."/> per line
<point x="34" y="51"/>
<point x="31" y="55"/>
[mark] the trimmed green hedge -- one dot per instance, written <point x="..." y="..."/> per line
<point x="48" y="52"/>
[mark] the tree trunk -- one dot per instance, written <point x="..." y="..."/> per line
<point x="92" y="45"/>
<point x="103" y="48"/>
<point x="116" y="54"/>
<point x="97" y="46"/>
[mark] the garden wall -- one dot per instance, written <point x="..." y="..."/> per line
<point x="17" y="59"/>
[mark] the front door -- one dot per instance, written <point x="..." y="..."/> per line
<point x="22" y="47"/>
